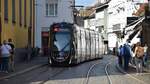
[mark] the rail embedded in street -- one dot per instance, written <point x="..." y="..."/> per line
<point x="106" y="71"/>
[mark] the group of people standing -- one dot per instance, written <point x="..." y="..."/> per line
<point x="134" y="54"/>
<point x="7" y="56"/>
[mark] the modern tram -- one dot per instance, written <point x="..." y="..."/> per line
<point x="69" y="44"/>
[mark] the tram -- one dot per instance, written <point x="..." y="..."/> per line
<point x="69" y="44"/>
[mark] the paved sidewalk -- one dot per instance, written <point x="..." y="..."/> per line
<point x="131" y="72"/>
<point x="25" y="67"/>
<point x="132" y="68"/>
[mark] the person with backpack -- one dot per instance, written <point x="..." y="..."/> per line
<point x="126" y="55"/>
<point x="139" y="53"/>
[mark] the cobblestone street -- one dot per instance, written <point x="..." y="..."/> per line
<point x="78" y="74"/>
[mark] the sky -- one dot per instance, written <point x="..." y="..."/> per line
<point x="90" y="2"/>
<point x="84" y="2"/>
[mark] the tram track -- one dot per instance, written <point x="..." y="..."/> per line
<point x="106" y="72"/>
<point x="54" y="75"/>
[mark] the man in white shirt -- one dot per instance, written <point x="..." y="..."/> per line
<point x="5" y="54"/>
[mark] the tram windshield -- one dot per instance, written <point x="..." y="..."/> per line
<point x="62" y="41"/>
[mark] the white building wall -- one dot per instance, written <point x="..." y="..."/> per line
<point x="100" y="15"/>
<point x="112" y="38"/>
<point x="95" y="22"/>
<point x="43" y="22"/>
<point x="118" y="11"/>
<point x="90" y="23"/>
<point x="116" y="14"/>
<point x="38" y="17"/>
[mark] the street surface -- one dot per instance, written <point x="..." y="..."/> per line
<point x="80" y="74"/>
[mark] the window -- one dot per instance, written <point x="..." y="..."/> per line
<point x="25" y="10"/>
<point x="13" y="12"/>
<point x="62" y="41"/>
<point x="6" y="9"/>
<point x="51" y="9"/>
<point x="20" y="12"/>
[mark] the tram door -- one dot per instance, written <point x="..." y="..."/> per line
<point x="45" y="40"/>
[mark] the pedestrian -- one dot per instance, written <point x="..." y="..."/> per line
<point x="139" y="53"/>
<point x="11" y="63"/>
<point x="114" y="51"/>
<point x="133" y="54"/>
<point x="145" y="55"/>
<point x="0" y="59"/>
<point x="5" y="54"/>
<point x="126" y="55"/>
<point x="120" y="54"/>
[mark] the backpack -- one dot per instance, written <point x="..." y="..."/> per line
<point x="139" y="52"/>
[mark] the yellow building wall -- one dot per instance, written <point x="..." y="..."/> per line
<point x="19" y="34"/>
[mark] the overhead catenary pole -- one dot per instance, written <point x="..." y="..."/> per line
<point x="75" y="11"/>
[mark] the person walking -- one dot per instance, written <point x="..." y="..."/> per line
<point x="5" y="54"/>
<point x="120" y="54"/>
<point x="145" y="55"/>
<point x="11" y="63"/>
<point x="127" y="55"/>
<point x="139" y="53"/>
<point x="133" y="54"/>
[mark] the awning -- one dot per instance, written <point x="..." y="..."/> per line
<point x="136" y="32"/>
<point x="134" y="25"/>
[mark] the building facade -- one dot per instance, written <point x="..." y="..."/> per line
<point x="96" y="19"/>
<point x="49" y="12"/>
<point x="120" y="14"/>
<point x="16" y="21"/>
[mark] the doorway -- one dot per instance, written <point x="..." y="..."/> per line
<point x="45" y="41"/>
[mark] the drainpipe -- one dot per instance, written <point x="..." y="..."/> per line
<point x="35" y="5"/>
<point x="29" y="46"/>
